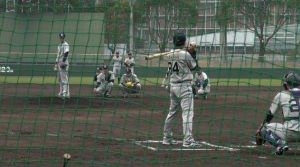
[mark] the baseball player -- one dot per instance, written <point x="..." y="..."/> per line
<point x="130" y="84"/>
<point x="201" y="84"/>
<point x="129" y="62"/>
<point x="166" y="81"/>
<point x="287" y="101"/>
<point x="117" y="64"/>
<point x="98" y="71"/>
<point x="62" y="66"/>
<point x="181" y="94"/>
<point x="105" y="82"/>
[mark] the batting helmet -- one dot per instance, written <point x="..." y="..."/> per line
<point x="179" y="39"/>
<point x="62" y="35"/>
<point x="291" y="80"/>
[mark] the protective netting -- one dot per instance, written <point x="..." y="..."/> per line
<point x="245" y="47"/>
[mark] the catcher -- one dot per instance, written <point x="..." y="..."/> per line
<point x="201" y="84"/>
<point x="105" y="82"/>
<point x="130" y="84"/>
<point x="278" y="134"/>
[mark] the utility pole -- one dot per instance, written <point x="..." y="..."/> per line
<point x="131" y="3"/>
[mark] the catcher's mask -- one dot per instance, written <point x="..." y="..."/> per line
<point x="291" y="80"/>
<point x="128" y="71"/>
<point x="62" y="35"/>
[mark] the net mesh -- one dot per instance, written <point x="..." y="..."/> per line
<point x="245" y="47"/>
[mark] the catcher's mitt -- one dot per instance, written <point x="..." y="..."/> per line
<point x="259" y="139"/>
<point x="129" y="84"/>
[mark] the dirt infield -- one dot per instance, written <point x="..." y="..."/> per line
<point x="37" y="128"/>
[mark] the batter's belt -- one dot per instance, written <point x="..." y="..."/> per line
<point x="185" y="83"/>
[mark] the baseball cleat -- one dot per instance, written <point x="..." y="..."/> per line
<point x="191" y="143"/>
<point x="107" y="95"/>
<point x="169" y="141"/>
<point x="65" y="96"/>
<point x="281" y="150"/>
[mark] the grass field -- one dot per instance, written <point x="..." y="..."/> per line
<point x="145" y="81"/>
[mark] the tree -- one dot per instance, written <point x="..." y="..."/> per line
<point x="261" y="13"/>
<point x="223" y="17"/>
<point x="116" y="22"/>
<point x="160" y="17"/>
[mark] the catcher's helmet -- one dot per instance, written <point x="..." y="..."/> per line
<point x="291" y="80"/>
<point x="128" y="71"/>
<point x="179" y="39"/>
<point x="62" y="35"/>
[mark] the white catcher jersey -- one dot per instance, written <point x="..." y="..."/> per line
<point x="117" y="61"/>
<point x="290" y="108"/>
<point x="61" y="50"/>
<point x="182" y="63"/>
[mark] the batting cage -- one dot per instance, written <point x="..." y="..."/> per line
<point x="90" y="83"/>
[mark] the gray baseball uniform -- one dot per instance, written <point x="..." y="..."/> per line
<point x="105" y="82"/>
<point x="288" y="102"/>
<point x="181" y="94"/>
<point x="129" y="62"/>
<point x="62" y="74"/>
<point x="117" y="64"/>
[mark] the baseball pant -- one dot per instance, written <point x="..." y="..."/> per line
<point x="117" y="71"/>
<point x="283" y="132"/>
<point x="105" y="88"/>
<point x="180" y="96"/>
<point x="63" y="80"/>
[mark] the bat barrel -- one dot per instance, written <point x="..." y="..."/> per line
<point x="157" y="55"/>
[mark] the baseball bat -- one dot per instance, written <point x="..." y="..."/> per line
<point x="157" y="55"/>
<point x="67" y="157"/>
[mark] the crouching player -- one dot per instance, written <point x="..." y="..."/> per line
<point x="130" y="84"/>
<point x="105" y="82"/>
<point x="287" y="101"/>
<point x="201" y="84"/>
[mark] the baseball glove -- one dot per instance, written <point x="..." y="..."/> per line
<point x="62" y="65"/>
<point x="129" y="84"/>
<point x="259" y="139"/>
